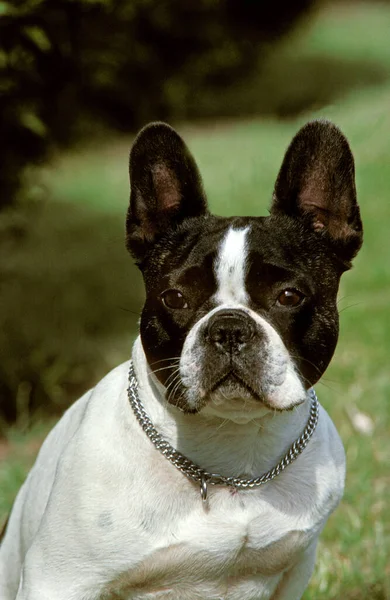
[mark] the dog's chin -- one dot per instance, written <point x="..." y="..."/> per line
<point x="233" y="389"/>
<point x="233" y="399"/>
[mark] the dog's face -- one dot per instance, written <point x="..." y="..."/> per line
<point x="240" y="313"/>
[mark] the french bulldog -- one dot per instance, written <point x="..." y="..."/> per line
<point x="204" y="468"/>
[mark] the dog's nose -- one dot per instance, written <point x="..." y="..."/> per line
<point x="230" y="330"/>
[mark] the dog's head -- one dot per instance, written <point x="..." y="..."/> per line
<point x="240" y="312"/>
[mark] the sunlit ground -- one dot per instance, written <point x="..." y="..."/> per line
<point x="239" y="162"/>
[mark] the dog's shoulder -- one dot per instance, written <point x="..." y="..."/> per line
<point x="94" y="422"/>
<point x="67" y="443"/>
<point x="82" y="413"/>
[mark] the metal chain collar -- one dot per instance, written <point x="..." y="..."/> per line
<point x="196" y="473"/>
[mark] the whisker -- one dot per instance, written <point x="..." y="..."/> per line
<point x="162" y="369"/>
<point x="132" y="312"/>
<point x="174" y="389"/>
<point x="179" y="398"/>
<point x="306" y="360"/>
<point x="223" y="424"/>
<point x="321" y="381"/>
<point x="173" y="384"/>
<point x="327" y="386"/>
<point x="350" y="306"/>
<point x="172" y="358"/>
<point x="175" y="373"/>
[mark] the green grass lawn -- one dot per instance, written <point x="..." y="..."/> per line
<point x="239" y="162"/>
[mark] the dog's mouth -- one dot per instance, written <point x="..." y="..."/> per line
<point x="232" y="385"/>
<point x="232" y="397"/>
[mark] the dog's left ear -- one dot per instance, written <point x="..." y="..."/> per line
<point x="317" y="182"/>
<point x="166" y="187"/>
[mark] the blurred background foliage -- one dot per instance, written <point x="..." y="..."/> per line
<point x="64" y="64"/>
<point x="86" y="71"/>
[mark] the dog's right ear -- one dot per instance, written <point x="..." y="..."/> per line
<point x="317" y="182"/>
<point x="166" y="187"/>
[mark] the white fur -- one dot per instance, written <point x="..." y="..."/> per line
<point x="102" y="514"/>
<point x="230" y="268"/>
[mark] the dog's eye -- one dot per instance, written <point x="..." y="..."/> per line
<point x="290" y="297"/>
<point x="174" y="299"/>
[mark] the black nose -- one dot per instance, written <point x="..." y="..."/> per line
<point x="230" y="330"/>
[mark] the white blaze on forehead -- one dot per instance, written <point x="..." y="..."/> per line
<point x="230" y="268"/>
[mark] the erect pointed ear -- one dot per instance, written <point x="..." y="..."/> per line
<point x="317" y="182"/>
<point x="166" y="187"/>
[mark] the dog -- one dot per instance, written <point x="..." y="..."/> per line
<point x="204" y="468"/>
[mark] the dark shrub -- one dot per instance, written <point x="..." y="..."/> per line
<point x="123" y="63"/>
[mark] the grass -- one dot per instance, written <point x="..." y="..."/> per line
<point x="239" y="162"/>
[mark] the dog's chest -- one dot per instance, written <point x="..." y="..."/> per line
<point x="233" y="549"/>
